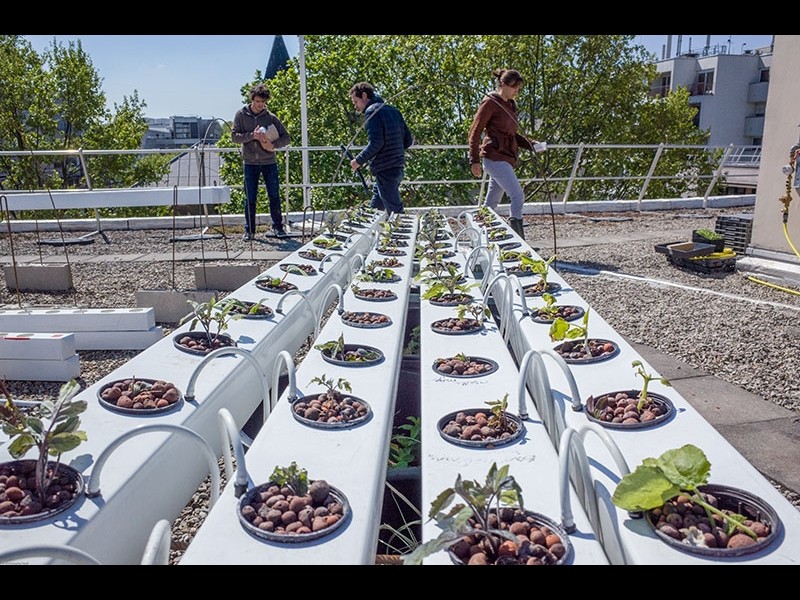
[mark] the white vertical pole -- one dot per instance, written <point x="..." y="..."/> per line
<point x="304" y="123"/>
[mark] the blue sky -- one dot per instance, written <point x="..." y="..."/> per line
<point x="202" y="74"/>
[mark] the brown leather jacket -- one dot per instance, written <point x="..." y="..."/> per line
<point x="498" y="118"/>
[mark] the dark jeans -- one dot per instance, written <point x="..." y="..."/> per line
<point x="386" y="190"/>
<point x="252" y="174"/>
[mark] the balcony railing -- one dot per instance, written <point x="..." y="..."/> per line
<point x="200" y="166"/>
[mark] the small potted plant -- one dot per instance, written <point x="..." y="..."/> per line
<point x="461" y="365"/>
<point x="491" y="526"/>
<point x="53" y="430"/>
<point x="540" y="268"/>
<point x="462" y="323"/>
<point x="279" y="284"/>
<point x="708" y="236"/>
<point x="446" y="286"/>
<point x="140" y="396"/>
<point x="551" y="311"/>
<point x="374" y="273"/>
<point x="373" y="294"/>
<point x="479" y="428"/>
<point x="213" y="317"/>
<point x="250" y="310"/>
<point x="577" y="347"/>
<point x="686" y="512"/>
<point x="352" y="355"/>
<point x="312" y="254"/>
<point x="365" y="319"/>
<point x="626" y="409"/>
<point x="333" y="408"/>
<point x="291" y="508"/>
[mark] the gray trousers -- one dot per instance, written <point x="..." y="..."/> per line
<point x="503" y="179"/>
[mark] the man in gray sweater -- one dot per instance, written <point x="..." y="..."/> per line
<point x="388" y="137"/>
<point x="260" y="132"/>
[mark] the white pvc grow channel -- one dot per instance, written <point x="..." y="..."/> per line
<point x="153" y="476"/>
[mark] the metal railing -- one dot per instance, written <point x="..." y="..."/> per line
<point x="200" y="165"/>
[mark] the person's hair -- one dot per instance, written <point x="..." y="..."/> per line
<point x="363" y="87"/>
<point x="509" y="77"/>
<point x="259" y="90"/>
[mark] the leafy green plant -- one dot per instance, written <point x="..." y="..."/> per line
<point x="405" y="443"/>
<point x="476" y="310"/>
<point x="276" y="281"/>
<point x="680" y="471"/>
<point x="647" y="378"/>
<point x="376" y="273"/>
<point x="207" y="314"/>
<point x="333" y="387"/>
<point x="335" y="349"/>
<point x="328" y="243"/>
<point x="444" y="280"/>
<point x="401" y="539"/>
<point x="562" y="329"/>
<point x="331" y="223"/>
<point x="53" y="432"/>
<point x="292" y="477"/>
<point x="471" y="516"/>
<point x="549" y="310"/>
<point x="538" y="266"/>
<point x="709" y="234"/>
<point x="413" y="346"/>
<point x="499" y="419"/>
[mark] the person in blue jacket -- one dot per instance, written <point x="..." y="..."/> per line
<point x="388" y="137"/>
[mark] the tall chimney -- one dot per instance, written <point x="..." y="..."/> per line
<point x="669" y="47"/>
<point x="678" y="49"/>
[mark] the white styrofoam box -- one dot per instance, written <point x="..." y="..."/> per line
<point x="37" y="346"/>
<point x="40" y="370"/>
<point x="46" y="320"/>
<point x="118" y="340"/>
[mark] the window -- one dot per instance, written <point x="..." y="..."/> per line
<point x="661" y="85"/>
<point x="705" y="83"/>
<point x="764" y="75"/>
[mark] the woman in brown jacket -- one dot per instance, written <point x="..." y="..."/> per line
<point x="498" y="148"/>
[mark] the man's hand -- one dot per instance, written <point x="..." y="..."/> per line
<point x="476" y="169"/>
<point x="354" y="165"/>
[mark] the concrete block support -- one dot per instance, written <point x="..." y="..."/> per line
<point x="171" y="306"/>
<point x="224" y="277"/>
<point x="38" y="277"/>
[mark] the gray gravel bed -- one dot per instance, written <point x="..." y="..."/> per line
<point x="730" y="327"/>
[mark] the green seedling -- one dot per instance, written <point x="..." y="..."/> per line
<point x="53" y="432"/>
<point x="549" y="309"/>
<point x="477" y="502"/>
<point x="334" y="387"/>
<point x="647" y="378"/>
<point x="375" y="273"/>
<point x="292" y="477"/>
<point x="477" y="310"/>
<point x="499" y="419"/>
<point x="211" y="313"/>
<point x="404" y="445"/>
<point x="328" y="243"/>
<point x="709" y="234"/>
<point x="562" y="329"/>
<point x="679" y="471"/>
<point x="336" y="350"/>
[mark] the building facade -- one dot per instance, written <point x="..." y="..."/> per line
<point x="728" y="90"/>
<point x="181" y="132"/>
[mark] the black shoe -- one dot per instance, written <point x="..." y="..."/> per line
<point x="248" y="237"/>
<point x="278" y="231"/>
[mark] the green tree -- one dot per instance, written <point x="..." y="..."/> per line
<point x="54" y="101"/>
<point x="591" y="89"/>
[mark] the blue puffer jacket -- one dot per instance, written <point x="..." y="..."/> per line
<point x="388" y="137"/>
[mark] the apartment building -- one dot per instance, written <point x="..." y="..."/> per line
<point x="180" y="132"/>
<point x="729" y="90"/>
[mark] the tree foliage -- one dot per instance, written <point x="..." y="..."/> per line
<point x="579" y="89"/>
<point x="55" y="101"/>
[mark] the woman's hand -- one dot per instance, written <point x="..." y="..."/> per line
<point x="476" y="169"/>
